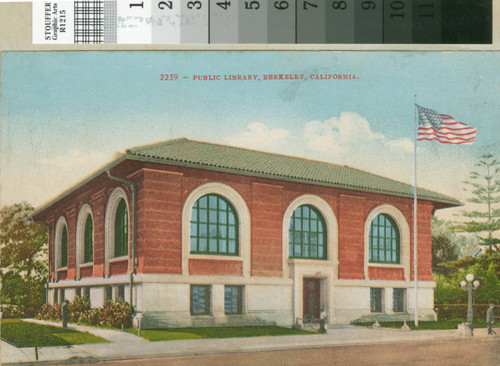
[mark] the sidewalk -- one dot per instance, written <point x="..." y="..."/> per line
<point x="126" y="345"/>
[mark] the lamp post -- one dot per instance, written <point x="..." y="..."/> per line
<point x="469" y="286"/>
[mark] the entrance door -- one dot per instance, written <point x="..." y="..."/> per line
<point x="311" y="298"/>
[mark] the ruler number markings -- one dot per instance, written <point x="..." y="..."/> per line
<point x="252" y="5"/>
<point x="281" y="5"/>
<point x="399" y="7"/>
<point x="339" y="5"/>
<point x="426" y="10"/>
<point x="165" y="4"/>
<point x="224" y="5"/>
<point x="368" y="5"/>
<point x="194" y="5"/>
<point x="308" y="4"/>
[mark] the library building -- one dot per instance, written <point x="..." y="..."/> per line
<point x="200" y="234"/>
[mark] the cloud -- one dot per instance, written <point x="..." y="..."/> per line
<point x="404" y="144"/>
<point x="259" y="136"/>
<point x="340" y="135"/>
<point x="76" y="159"/>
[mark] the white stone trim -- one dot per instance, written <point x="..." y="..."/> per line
<point x="331" y="233"/>
<point x="383" y="283"/>
<point x="61" y="223"/>
<point x="242" y="211"/>
<point x="80" y="236"/>
<point x="404" y="239"/>
<point x="109" y="225"/>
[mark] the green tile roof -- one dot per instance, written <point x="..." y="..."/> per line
<point x="182" y="151"/>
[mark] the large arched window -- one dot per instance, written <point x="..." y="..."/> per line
<point x="61" y="243"/>
<point x="384" y="240"/>
<point x="121" y="229"/>
<point x="88" y="240"/>
<point x="64" y="247"/>
<point x="213" y="226"/>
<point x="307" y="234"/>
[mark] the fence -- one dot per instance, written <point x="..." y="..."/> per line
<point x="459" y="311"/>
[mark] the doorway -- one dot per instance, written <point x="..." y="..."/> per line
<point x="311" y="298"/>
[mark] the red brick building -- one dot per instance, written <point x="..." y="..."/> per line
<point x="212" y="234"/>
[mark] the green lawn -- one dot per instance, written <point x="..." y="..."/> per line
<point x="428" y="325"/>
<point x="170" y="334"/>
<point x="25" y="334"/>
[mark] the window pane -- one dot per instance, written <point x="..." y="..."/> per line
<point x="215" y="219"/>
<point x="203" y="215"/>
<point x="64" y="247"/>
<point x="232" y="247"/>
<point x="305" y="250"/>
<point x="88" y="241"/>
<point x="314" y="251"/>
<point x="307" y="234"/>
<point x="212" y="245"/>
<point x="384" y="240"/>
<point x="194" y="229"/>
<point x="398" y="300"/>
<point x="223" y="246"/>
<point x="233" y="299"/>
<point x="192" y="245"/>
<point x="121" y="229"/>
<point x="200" y="300"/>
<point x="376" y="300"/>
<point x="223" y="232"/>
<point x="202" y="245"/>
<point x="203" y="230"/>
<point x="232" y="232"/>
<point x="213" y="231"/>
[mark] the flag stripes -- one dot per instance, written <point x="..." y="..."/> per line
<point x="443" y="128"/>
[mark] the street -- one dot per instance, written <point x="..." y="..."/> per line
<point x="458" y="352"/>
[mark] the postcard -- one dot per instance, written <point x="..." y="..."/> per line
<point x="224" y="188"/>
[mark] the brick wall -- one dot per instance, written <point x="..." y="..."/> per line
<point x="162" y="191"/>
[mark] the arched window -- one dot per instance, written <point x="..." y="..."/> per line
<point x="64" y="247"/>
<point x="213" y="226"/>
<point x="88" y="240"/>
<point x="384" y="240"/>
<point x="121" y="229"/>
<point x="307" y="234"/>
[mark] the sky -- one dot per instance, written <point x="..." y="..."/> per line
<point x="65" y="114"/>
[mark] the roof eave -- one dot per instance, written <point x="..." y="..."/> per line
<point x="448" y="203"/>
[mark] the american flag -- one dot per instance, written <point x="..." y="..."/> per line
<point x="442" y="127"/>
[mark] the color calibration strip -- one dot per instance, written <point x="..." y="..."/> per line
<point x="262" y="21"/>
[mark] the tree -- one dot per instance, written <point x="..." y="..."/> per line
<point x="23" y="252"/>
<point x="490" y="288"/>
<point x="446" y="245"/>
<point x="485" y="188"/>
<point x="443" y="250"/>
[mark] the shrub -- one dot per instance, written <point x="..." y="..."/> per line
<point x="48" y="312"/>
<point x="89" y="317"/>
<point x="76" y="308"/>
<point x="116" y="314"/>
<point x="18" y="311"/>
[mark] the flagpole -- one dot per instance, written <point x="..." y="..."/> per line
<point x="415" y="217"/>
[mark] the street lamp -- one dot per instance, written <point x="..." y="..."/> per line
<point x="470" y="285"/>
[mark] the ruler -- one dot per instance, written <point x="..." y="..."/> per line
<point x="262" y="22"/>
